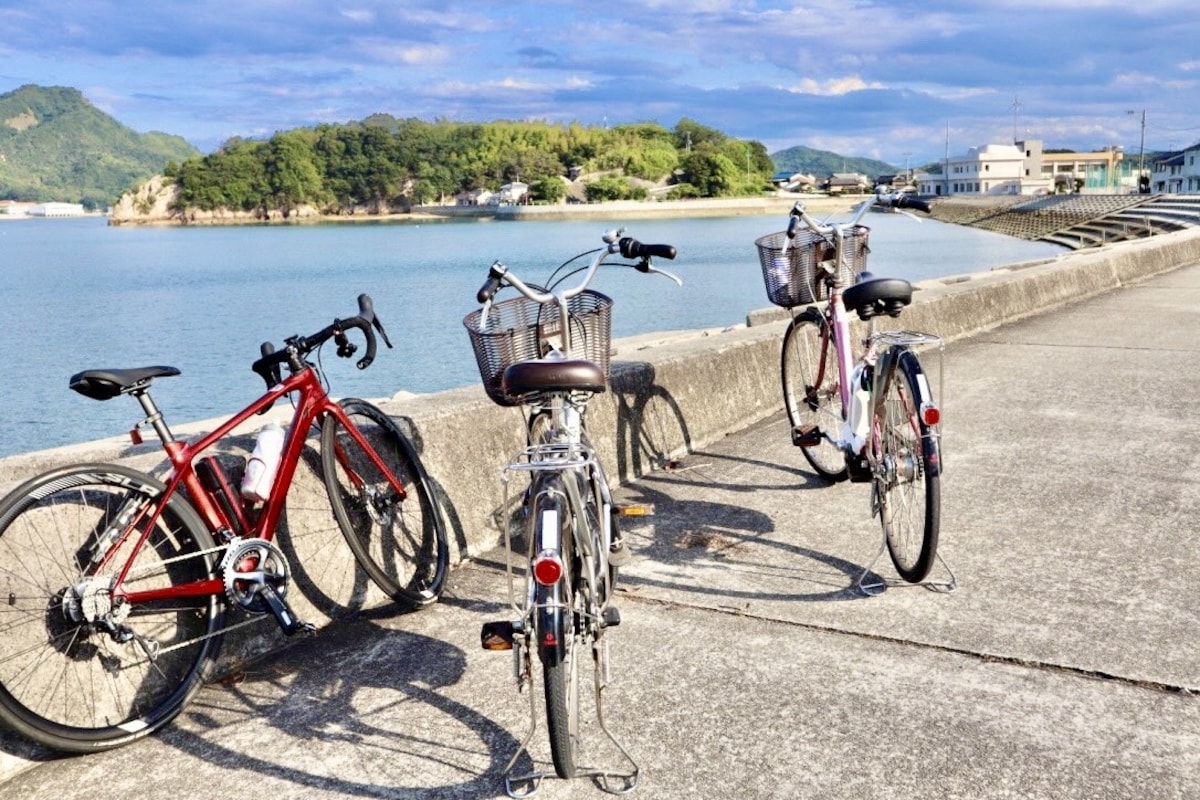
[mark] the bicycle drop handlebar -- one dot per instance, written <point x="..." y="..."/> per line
<point x="297" y="348"/>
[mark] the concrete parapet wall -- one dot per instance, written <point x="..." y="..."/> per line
<point x="669" y="393"/>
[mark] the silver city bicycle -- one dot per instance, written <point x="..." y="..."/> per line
<point x="870" y="416"/>
<point x="548" y="350"/>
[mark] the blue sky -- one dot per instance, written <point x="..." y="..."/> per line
<point x="889" y="80"/>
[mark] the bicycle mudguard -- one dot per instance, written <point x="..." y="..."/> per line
<point x="548" y="512"/>
<point x="907" y="363"/>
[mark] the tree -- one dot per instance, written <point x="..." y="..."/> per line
<point x="292" y="177"/>
<point x="711" y="172"/>
<point x="548" y="190"/>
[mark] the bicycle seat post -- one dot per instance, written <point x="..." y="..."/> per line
<point x="154" y="417"/>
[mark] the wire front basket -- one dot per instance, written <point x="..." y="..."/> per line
<point x="523" y="330"/>
<point x="793" y="271"/>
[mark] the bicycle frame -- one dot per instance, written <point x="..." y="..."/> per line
<point x="311" y="406"/>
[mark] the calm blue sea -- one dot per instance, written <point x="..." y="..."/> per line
<point x="82" y="295"/>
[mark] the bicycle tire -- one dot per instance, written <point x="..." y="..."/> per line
<point x="64" y="683"/>
<point x="401" y="544"/>
<point x="908" y="486"/>
<point x="811" y="390"/>
<point x="556" y="632"/>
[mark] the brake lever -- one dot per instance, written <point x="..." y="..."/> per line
<point x="383" y="334"/>
<point x="648" y="268"/>
<point x="483" y="315"/>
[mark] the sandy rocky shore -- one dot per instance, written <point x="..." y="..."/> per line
<point x="152" y="202"/>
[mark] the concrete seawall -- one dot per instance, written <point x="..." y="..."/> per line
<point x="669" y="393"/>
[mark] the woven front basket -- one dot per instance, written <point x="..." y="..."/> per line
<point x="792" y="271"/>
<point x="523" y="330"/>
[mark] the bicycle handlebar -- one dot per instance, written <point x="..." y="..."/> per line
<point x="898" y="200"/>
<point x="298" y="347"/>
<point x="632" y="248"/>
<point x="498" y="273"/>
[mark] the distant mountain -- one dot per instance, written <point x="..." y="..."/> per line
<point x="55" y="145"/>
<point x="823" y="163"/>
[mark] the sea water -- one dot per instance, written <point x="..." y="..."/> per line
<point x="82" y="295"/>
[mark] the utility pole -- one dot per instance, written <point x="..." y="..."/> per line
<point x="1016" y="106"/>
<point x="1141" y="149"/>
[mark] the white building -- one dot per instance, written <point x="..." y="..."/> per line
<point x="990" y="169"/>
<point x="56" y="210"/>
<point x="1025" y="168"/>
<point x="1177" y="173"/>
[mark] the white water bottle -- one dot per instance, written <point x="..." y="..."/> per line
<point x="263" y="463"/>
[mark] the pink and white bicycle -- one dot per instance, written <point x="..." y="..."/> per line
<point x="871" y="417"/>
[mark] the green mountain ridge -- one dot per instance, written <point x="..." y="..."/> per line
<point x="823" y="163"/>
<point x="56" y="146"/>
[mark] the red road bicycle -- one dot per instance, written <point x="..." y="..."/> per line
<point x="114" y="585"/>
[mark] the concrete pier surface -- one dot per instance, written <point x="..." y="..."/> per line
<point x="1063" y="665"/>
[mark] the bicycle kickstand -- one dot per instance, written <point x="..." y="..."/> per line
<point x="607" y="779"/>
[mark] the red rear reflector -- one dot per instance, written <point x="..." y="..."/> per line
<point x="547" y="569"/>
<point x="931" y="414"/>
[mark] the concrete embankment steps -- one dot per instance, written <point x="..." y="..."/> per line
<point x="1074" y="221"/>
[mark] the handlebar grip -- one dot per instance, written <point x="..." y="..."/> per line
<point x="488" y="290"/>
<point x="632" y="248"/>
<point x="904" y="201"/>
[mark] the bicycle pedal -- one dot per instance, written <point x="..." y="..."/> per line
<point x="634" y="509"/>
<point x="611" y="617"/>
<point x="497" y="636"/>
<point x="279" y="608"/>
<point x="807" y="436"/>
<point x="619" y="556"/>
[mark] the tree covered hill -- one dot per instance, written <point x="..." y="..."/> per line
<point x="823" y="163"/>
<point x="55" y="145"/>
<point x="386" y="164"/>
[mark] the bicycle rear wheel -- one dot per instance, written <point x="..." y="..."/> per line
<point x="811" y="393"/>
<point x="908" y="485"/>
<point x="556" y="629"/>
<point x="401" y="543"/>
<point x="80" y="670"/>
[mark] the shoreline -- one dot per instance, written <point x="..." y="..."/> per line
<point x="634" y="209"/>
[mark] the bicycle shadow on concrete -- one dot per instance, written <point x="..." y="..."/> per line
<point x="655" y="448"/>
<point x="728" y="552"/>
<point x="380" y="724"/>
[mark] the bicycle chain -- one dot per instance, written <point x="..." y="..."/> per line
<point x="144" y="571"/>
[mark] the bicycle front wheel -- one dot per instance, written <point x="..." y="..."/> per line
<point x="400" y="542"/>
<point x="907" y="483"/>
<point x="811" y="391"/>
<point x="81" y="668"/>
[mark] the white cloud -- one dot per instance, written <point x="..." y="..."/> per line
<point x="358" y="15"/>
<point x="834" y="86"/>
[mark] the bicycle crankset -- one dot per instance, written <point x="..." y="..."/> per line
<point x="256" y="577"/>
